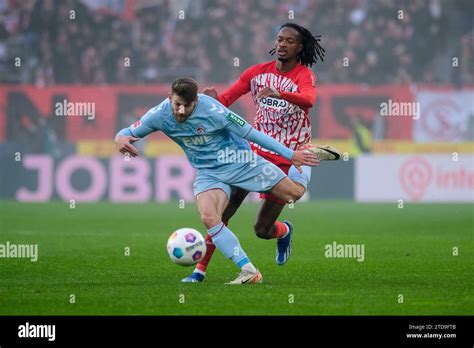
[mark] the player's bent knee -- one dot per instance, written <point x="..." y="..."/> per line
<point x="287" y="197"/>
<point x="210" y="220"/>
<point x="293" y="196"/>
<point x="288" y="191"/>
<point x="298" y="192"/>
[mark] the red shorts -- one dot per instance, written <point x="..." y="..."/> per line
<point x="280" y="162"/>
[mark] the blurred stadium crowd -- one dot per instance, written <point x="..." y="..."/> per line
<point x="143" y="41"/>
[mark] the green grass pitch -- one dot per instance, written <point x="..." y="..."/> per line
<point x="408" y="252"/>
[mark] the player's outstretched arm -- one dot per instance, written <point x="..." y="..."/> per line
<point x="135" y="132"/>
<point x="236" y="124"/>
<point x="234" y="92"/>
<point x="124" y="140"/>
<point x="298" y="158"/>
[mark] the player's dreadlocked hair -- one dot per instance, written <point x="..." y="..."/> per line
<point x="311" y="47"/>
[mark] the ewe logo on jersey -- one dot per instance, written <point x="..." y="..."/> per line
<point x="197" y="140"/>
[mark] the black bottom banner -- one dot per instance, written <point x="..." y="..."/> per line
<point x="205" y="330"/>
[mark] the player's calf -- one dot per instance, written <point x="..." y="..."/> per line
<point x="264" y="230"/>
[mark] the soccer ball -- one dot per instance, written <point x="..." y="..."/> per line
<point x="186" y="246"/>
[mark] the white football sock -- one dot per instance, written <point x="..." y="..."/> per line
<point x="249" y="267"/>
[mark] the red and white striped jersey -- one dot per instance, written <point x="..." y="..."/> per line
<point x="285" y="119"/>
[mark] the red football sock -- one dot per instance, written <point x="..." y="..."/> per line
<point x="202" y="265"/>
<point x="280" y="229"/>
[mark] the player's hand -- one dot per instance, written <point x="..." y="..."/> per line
<point x="210" y="91"/>
<point x="269" y="92"/>
<point x="304" y="158"/>
<point x="124" y="145"/>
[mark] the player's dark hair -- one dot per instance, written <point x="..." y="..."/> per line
<point x="311" y="47"/>
<point x="186" y="88"/>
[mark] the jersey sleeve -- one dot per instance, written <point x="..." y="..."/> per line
<point x="238" y="89"/>
<point x="236" y="124"/>
<point x="306" y="97"/>
<point x="243" y="129"/>
<point x="148" y="123"/>
<point x="269" y="143"/>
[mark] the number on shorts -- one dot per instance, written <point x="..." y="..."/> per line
<point x="268" y="172"/>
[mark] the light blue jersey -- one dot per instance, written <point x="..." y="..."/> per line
<point x="210" y="128"/>
<point x="215" y="142"/>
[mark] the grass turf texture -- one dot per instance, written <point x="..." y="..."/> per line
<point x="408" y="251"/>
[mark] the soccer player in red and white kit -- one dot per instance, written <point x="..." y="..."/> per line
<point x="283" y="91"/>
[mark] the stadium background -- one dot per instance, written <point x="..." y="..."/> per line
<point x="121" y="55"/>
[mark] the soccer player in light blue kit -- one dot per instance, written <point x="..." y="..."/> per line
<point x="215" y="142"/>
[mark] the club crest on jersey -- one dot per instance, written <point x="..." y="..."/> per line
<point x="236" y="119"/>
<point x="136" y="124"/>
<point x="274" y="102"/>
<point x="200" y="129"/>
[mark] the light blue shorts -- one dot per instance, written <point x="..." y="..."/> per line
<point x="257" y="176"/>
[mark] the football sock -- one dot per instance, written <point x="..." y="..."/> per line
<point x="301" y="178"/>
<point x="201" y="267"/>
<point x="197" y="270"/>
<point x="228" y="244"/>
<point x="249" y="268"/>
<point x="281" y="230"/>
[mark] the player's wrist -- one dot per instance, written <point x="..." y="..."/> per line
<point x="290" y="153"/>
